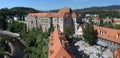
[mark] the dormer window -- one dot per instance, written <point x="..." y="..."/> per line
<point x="104" y="32"/>
<point x="101" y="32"/>
<point x="98" y="31"/>
<point x="52" y="43"/>
<point x="51" y="52"/>
<point x="117" y="35"/>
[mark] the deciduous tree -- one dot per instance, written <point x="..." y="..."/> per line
<point x="89" y="34"/>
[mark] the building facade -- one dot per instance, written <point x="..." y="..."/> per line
<point x="64" y="17"/>
<point x="38" y="20"/>
<point x="79" y="31"/>
<point x="110" y="37"/>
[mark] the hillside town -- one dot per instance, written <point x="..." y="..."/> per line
<point x="60" y="33"/>
<point x="68" y="24"/>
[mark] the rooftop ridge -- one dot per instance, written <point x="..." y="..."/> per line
<point x="57" y="47"/>
<point x="63" y="12"/>
<point x="108" y="33"/>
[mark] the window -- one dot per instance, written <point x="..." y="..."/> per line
<point x="117" y="35"/>
<point x="101" y="32"/>
<point x="104" y="32"/>
<point x="31" y="22"/>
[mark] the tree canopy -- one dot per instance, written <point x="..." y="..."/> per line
<point x="103" y="12"/>
<point x="89" y="34"/>
<point x="35" y="40"/>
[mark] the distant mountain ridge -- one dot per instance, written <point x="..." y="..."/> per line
<point x="103" y="11"/>
<point x="109" y="7"/>
<point x="112" y="7"/>
<point x="24" y="9"/>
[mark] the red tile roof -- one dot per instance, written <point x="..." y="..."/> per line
<point x="57" y="47"/>
<point x="63" y="12"/>
<point x="116" y="22"/>
<point x="117" y="53"/>
<point x="108" y="34"/>
<point x="44" y="14"/>
<point x="38" y="14"/>
<point x="63" y="15"/>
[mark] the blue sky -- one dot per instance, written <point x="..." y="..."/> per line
<point x="56" y="4"/>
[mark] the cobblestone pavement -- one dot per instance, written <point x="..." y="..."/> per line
<point x="79" y="46"/>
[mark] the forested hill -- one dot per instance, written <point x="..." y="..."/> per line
<point x="112" y="7"/>
<point x="104" y="11"/>
<point x="24" y="10"/>
<point x="21" y="12"/>
<point x="17" y="11"/>
<point x="109" y="11"/>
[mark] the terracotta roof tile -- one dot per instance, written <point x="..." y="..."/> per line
<point x="38" y="14"/>
<point x="57" y="50"/>
<point x="116" y="22"/>
<point x="108" y="34"/>
<point x="117" y="53"/>
<point x="63" y="13"/>
<point x="65" y="10"/>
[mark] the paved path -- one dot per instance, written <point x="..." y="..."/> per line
<point x="79" y="46"/>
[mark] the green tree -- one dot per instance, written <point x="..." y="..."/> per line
<point x="68" y="33"/>
<point x="101" y="22"/>
<point x="3" y="23"/>
<point x="21" y="12"/>
<point x="17" y="27"/>
<point x="2" y="47"/>
<point x="67" y="30"/>
<point x="51" y="29"/>
<point x="89" y="34"/>
<point x="37" y="42"/>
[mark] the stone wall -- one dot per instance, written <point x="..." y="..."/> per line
<point x="40" y="23"/>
